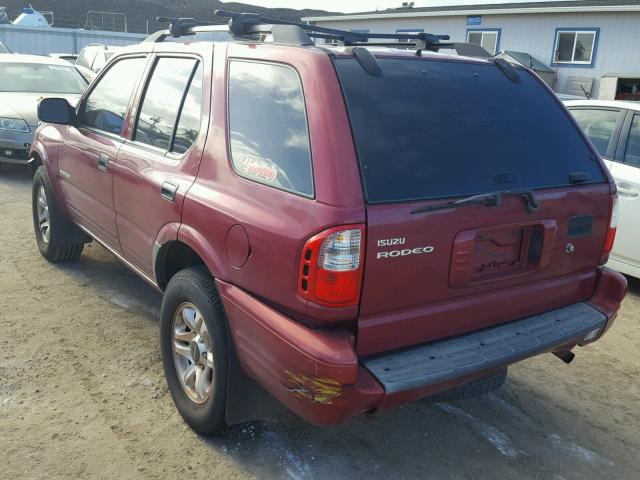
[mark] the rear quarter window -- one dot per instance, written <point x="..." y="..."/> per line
<point x="268" y="126"/>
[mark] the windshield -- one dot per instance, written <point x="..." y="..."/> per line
<point x="40" y="78"/>
<point x="443" y="128"/>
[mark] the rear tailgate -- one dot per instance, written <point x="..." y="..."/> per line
<point x="459" y="270"/>
<point x="431" y="130"/>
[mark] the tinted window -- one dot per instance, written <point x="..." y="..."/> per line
<point x="107" y="104"/>
<point x="162" y="100"/>
<point x="598" y="125"/>
<point x="632" y="154"/>
<point x="190" y="116"/>
<point x="436" y="128"/>
<point x="268" y="125"/>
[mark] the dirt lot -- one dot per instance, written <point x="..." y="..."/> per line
<point x="82" y="395"/>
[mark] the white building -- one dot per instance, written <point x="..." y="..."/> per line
<point x="581" y="39"/>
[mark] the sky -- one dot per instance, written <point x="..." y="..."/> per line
<point x="366" y="5"/>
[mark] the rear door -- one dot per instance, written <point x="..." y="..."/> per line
<point x="428" y="132"/>
<point x="626" y="172"/>
<point x="158" y="165"/>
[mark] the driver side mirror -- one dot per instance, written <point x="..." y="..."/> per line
<point x="56" y="110"/>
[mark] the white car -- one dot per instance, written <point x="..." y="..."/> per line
<point x="614" y="128"/>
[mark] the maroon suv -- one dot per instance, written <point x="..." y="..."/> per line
<point x="343" y="229"/>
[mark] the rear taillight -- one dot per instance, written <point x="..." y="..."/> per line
<point x="611" y="231"/>
<point x="331" y="267"/>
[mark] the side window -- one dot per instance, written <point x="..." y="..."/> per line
<point x="598" y="125"/>
<point x="632" y="153"/>
<point x="190" y="116"/>
<point x="107" y="104"/>
<point x="162" y="99"/>
<point x="268" y="126"/>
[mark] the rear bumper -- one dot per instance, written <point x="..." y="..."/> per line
<point x="318" y="375"/>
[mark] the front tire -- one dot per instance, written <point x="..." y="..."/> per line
<point x="194" y="347"/>
<point x="50" y="224"/>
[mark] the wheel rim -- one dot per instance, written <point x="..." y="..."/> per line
<point x="44" y="224"/>
<point x="192" y="353"/>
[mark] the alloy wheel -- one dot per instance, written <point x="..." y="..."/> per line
<point x="192" y="354"/>
<point x="44" y="224"/>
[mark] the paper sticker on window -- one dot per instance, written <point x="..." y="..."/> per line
<point x="262" y="169"/>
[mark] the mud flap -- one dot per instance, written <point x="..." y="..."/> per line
<point x="246" y="399"/>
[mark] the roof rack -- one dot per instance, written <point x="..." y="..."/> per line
<point x="251" y="25"/>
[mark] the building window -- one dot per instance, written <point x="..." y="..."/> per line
<point x="575" y="47"/>
<point x="487" y="39"/>
<point x="414" y="31"/>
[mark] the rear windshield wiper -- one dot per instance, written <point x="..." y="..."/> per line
<point x="491" y="199"/>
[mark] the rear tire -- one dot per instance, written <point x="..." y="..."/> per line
<point x="474" y="389"/>
<point x="50" y="224"/>
<point x="194" y="346"/>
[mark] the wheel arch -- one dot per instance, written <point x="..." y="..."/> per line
<point x="35" y="161"/>
<point x="184" y="249"/>
<point x="171" y="257"/>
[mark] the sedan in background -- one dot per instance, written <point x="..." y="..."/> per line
<point x="614" y="129"/>
<point x="24" y="81"/>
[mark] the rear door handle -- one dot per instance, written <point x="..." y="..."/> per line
<point x="628" y="192"/>
<point x="103" y="162"/>
<point x="168" y="191"/>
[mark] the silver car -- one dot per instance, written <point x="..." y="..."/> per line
<point x="24" y="81"/>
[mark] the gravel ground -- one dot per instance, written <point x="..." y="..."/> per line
<point x="82" y="395"/>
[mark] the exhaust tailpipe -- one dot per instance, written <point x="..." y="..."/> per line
<point x="566" y="356"/>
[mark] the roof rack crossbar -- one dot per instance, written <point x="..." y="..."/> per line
<point x="247" y="24"/>
<point x="243" y="25"/>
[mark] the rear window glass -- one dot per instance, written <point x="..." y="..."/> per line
<point x="432" y="128"/>
<point x="268" y="126"/>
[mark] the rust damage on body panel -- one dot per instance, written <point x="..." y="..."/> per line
<point x="319" y="390"/>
